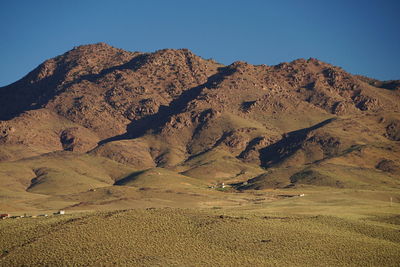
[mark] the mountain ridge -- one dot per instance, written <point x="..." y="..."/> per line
<point x="237" y="123"/>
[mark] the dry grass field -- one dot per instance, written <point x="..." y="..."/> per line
<point x="323" y="228"/>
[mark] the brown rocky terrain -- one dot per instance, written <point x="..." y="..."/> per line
<point x="302" y="122"/>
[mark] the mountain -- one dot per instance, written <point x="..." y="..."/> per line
<point x="98" y="116"/>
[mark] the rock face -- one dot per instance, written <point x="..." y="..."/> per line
<point x="5" y="132"/>
<point x="388" y="166"/>
<point x="393" y="130"/>
<point x="170" y="107"/>
<point x="78" y="139"/>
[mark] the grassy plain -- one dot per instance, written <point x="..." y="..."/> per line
<point x="326" y="227"/>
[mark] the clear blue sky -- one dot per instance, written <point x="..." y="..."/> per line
<point x="363" y="37"/>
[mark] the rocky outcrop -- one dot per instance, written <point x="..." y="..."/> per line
<point x="387" y="165"/>
<point x="393" y="130"/>
<point x="78" y="139"/>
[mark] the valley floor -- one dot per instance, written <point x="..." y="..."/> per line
<point x="323" y="228"/>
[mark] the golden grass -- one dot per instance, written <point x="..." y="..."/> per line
<point x="181" y="237"/>
<point x="323" y="228"/>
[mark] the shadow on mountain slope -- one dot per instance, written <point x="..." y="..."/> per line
<point x="288" y="145"/>
<point x="139" y="127"/>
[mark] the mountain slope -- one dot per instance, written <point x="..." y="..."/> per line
<point x="302" y="123"/>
